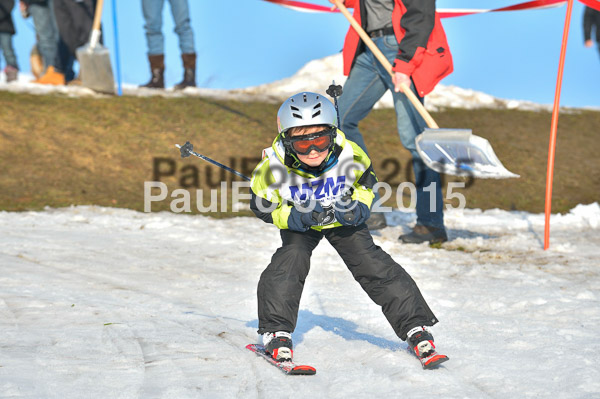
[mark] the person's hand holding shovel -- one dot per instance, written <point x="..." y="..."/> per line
<point x="398" y="78"/>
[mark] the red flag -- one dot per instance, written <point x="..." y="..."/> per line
<point x="595" y="4"/>
<point x="443" y="12"/>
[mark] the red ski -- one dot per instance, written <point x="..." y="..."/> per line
<point x="287" y="367"/>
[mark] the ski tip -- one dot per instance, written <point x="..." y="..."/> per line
<point x="303" y="370"/>
<point x="435" y="361"/>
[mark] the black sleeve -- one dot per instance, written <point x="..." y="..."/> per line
<point x="6" y="22"/>
<point x="265" y="204"/>
<point x="368" y="178"/>
<point x="418" y="22"/>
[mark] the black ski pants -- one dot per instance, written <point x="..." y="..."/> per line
<point x="384" y="280"/>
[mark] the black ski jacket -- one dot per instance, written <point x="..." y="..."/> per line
<point x="6" y="22"/>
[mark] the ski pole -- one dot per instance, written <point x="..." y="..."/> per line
<point x="335" y="91"/>
<point x="188" y="149"/>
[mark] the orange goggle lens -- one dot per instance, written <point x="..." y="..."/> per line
<point x="304" y="147"/>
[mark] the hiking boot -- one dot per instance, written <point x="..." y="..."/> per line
<point x="36" y="62"/>
<point x="279" y="345"/>
<point x="11" y="73"/>
<point x="376" y="221"/>
<point x="422" y="234"/>
<point x="189" y="71"/>
<point x="51" y="77"/>
<point x="157" y="69"/>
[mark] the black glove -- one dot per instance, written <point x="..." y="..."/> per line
<point x="351" y="212"/>
<point x="303" y="218"/>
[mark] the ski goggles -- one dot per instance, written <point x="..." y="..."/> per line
<point x="319" y="141"/>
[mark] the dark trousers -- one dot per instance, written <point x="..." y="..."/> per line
<point x="385" y="281"/>
<point x="74" y="20"/>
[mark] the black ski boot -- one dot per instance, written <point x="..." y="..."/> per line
<point x="420" y="341"/>
<point x="279" y="345"/>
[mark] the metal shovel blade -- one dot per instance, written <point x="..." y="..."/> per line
<point x="95" y="69"/>
<point x="459" y="152"/>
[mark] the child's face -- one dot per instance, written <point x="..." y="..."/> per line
<point x="313" y="158"/>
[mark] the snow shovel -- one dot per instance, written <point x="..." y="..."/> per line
<point x="451" y="151"/>
<point x="94" y="60"/>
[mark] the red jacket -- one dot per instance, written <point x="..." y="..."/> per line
<point x="423" y="51"/>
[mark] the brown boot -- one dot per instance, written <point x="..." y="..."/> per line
<point x="11" y="73"/>
<point x="157" y="68"/>
<point x="189" y="71"/>
<point x="51" y="77"/>
<point x="36" y="62"/>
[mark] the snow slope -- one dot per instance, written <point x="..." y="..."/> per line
<point x="112" y="303"/>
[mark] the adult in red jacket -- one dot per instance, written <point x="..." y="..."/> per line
<point x="410" y="35"/>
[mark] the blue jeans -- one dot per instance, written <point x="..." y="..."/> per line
<point x="47" y="32"/>
<point x="8" y="50"/>
<point x="367" y="83"/>
<point x="152" y="10"/>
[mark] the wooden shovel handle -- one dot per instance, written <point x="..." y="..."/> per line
<point x="386" y="64"/>
<point x="98" y="15"/>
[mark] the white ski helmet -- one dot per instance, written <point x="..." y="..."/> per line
<point x="305" y="109"/>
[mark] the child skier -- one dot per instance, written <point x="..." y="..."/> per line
<point x="314" y="183"/>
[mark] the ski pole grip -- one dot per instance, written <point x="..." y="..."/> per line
<point x="186" y="149"/>
<point x="334" y="90"/>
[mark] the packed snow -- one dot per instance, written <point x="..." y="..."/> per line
<point x="111" y="303"/>
<point x="315" y="76"/>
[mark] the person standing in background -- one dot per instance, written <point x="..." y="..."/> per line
<point x="591" y="19"/>
<point x="410" y="35"/>
<point x="74" y="19"/>
<point x="42" y="12"/>
<point x="152" y="10"/>
<point x="7" y="30"/>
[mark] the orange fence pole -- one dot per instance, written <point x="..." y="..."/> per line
<point x="554" y="126"/>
